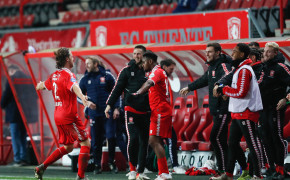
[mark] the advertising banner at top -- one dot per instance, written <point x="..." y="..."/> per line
<point x="173" y="28"/>
<point x="41" y="40"/>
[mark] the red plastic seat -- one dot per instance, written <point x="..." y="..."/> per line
<point x="286" y="129"/>
<point x="113" y="13"/>
<point x="151" y="9"/>
<point x="247" y="3"/>
<point x="104" y="14"/>
<point x="132" y="11"/>
<point x="123" y="12"/>
<point x="205" y="146"/>
<point x="191" y="106"/>
<point x="258" y="4"/>
<point x="178" y="114"/>
<point x="94" y="15"/>
<point x="170" y="8"/>
<point x="14" y="21"/>
<point x="28" y="20"/>
<point x="285" y="2"/>
<point x="224" y="4"/>
<point x="5" y="21"/>
<point x="76" y="16"/>
<point x="85" y="16"/>
<point x="66" y="17"/>
<point x="161" y="9"/>
<point x="270" y="3"/>
<point x="236" y="4"/>
<point x="142" y="11"/>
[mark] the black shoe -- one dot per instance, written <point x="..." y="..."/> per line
<point x="113" y="167"/>
<point x="278" y="176"/>
<point x="98" y="169"/>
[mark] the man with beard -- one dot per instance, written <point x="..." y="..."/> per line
<point x="244" y="104"/>
<point x="161" y="115"/>
<point x="137" y="112"/>
<point x="273" y="90"/>
<point x="219" y="65"/>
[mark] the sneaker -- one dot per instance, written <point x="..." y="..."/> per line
<point x="98" y="169"/>
<point x="38" y="171"/>
<point x="142" y="176"/>
<point x="85" y="178"/>
<point x="224" y="177"/>
<point x="216" y="176"/>
<point x="164" y="176"/>
<point x="147" y="171"/>
<point x="243" y="175"/>
<point x="113" y="167"/>
<point x="278" y="176"/>
<point x="178" y="170"/>
<point x="132" y="175"/>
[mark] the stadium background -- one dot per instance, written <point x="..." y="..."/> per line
<point x="109" y="30"/>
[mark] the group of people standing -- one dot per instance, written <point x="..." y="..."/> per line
<point x="247" y="90"/>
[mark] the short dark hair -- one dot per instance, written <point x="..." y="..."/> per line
<point x="216" y="46"/>
<point x="256" y="52"/>
<point x="60" y="56"/>
<point x="150" y="55"/>
<point x="245" y="49"/>
<point x="253" y="43"/>
<point x="13" y="66"/>
<point x="141" y="47"/>
<point x="167" y="62"/>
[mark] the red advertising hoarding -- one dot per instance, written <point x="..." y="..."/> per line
<point x="41" y="40"/>
<point x="171" y="28"/>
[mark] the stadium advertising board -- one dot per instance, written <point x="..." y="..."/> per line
<point x="171" y="28"/>
<point x="41" y="40"/>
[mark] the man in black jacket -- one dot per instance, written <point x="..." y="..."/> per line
<point x="219" y="65"/>
<point x="273" y="91"/>
<point x="137" y="112"/>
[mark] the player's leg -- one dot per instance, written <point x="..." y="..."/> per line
<point x="84" y="157"/>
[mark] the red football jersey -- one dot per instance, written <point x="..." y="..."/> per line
<point x="159" y="93"/>
<point x="61" y="83"/>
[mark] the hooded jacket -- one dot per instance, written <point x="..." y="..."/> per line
<point x="216" y="70"/>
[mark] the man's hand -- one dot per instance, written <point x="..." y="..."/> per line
<point x="85" y="101"/>
<point x="40" y="86"/>
<point x="281" y="104"/>
<point x="116" y="113"/>
<point x="92" y="105"/>
<point x="184" y="91"/>
<point x="215" y="93"/>
<point x="107" y="110"/>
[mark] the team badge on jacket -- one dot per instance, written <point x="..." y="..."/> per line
<point x="131" y="120"/>
<point x="102" y="80"/>
<point x="272" y="72"/>
<point x="213" y="73"/>
<point x="89" y="81"/>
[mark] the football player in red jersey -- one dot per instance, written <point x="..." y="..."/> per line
<point x="161" y="110"/>
<point x="64" y="89"/>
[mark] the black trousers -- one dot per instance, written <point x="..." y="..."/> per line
<point x="218" y="139"/>
<point x="272" y="122"/>
<point x="137" y="126"/>
<point x="240" y="128"/>
<point x="172" y="147"/>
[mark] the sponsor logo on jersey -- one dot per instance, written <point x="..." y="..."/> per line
<point x="73" y="79"/>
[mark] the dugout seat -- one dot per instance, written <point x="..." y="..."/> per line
<point x="85" y="17"/>
<point x="142" y="11"/>
<point x="171" y="7"/>
<point x="191" y="106"/>
<point x="104" y="14"/>
<point x="94" y="14"/>
<point x="123" y="12"/>
<point x="224" y="4"/>
<point x="66" y="17"/>
<point x="151" y="9"/>
<point x="247" y="3"/>
<point x="205" y="146"/>
<point x="178" y="114"/>
<point x="132" y="11"/>
<point x="113" y="13"/>
<point x="161" y="9"/>
<point x="236" y="4"/>
<point x="76" y="16"/>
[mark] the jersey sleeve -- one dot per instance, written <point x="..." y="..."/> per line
<point x="71" y="81"/>
<point x="48" y="84"/>
<point x="157" y="76"/>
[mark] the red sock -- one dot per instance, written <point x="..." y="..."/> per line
<point x="132" y="168"/>
<point x="84" y="157"/>
<point x="248" y="165"/>
<point x="280" y="169"/>
<point x="162" y="165"/>
<point x="229" y="174"/>
<point x="57" y="154"/>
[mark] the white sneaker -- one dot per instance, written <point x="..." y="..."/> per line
<point x="132" y="175"/>
<point x="142" y="176"/>
<point x="178" y="170"/>
<point x="164" y="176"/>
<point x="147" y="171"/>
